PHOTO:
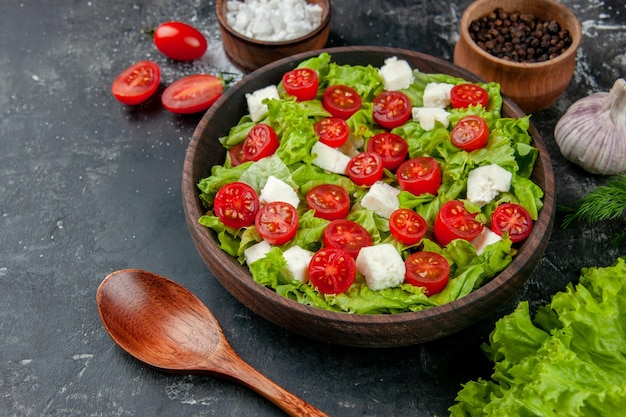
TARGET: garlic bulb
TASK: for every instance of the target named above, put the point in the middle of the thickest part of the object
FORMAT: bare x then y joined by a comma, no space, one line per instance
592,132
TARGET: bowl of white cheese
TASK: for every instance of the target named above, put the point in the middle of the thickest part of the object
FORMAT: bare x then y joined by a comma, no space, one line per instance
257,32
381,308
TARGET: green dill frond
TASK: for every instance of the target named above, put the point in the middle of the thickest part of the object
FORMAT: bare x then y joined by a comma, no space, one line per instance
606,202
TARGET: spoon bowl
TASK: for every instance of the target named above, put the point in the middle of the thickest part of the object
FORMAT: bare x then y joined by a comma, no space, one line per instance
164,325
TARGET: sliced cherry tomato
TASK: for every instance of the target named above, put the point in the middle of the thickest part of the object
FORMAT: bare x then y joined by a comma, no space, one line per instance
391,109
236,155
332,270
261,141
236,205
455,222
470,133
419,175
365,168
347,235
464,95
179,41
137,83
332,131
192,94
513,219
429,270
277,222
302,83
330,201
407,226
341,101
391,148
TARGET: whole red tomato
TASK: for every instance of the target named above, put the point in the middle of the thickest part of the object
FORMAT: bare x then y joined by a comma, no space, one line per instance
179,41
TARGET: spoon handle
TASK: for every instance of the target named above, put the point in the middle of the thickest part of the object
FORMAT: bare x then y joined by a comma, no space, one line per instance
237,369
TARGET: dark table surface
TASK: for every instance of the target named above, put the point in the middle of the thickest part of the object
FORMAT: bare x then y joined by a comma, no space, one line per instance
89,186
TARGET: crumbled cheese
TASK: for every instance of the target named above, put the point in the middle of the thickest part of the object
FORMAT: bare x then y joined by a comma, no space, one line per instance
256,107
485,182
382,198
298,260
278,190
329,158
257,251
381,265
437,95
273,20
396,74
427,116
484,239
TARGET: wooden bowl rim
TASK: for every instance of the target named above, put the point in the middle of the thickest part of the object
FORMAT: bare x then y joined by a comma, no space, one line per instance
340,320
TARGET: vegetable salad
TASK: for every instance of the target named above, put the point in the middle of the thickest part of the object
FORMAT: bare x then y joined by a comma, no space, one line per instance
293,162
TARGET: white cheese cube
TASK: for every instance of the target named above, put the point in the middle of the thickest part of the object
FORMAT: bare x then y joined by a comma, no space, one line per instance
437,95
396,74
381,265
329,158
484,239
427,116
298,260
257,251
278,190
382,198
484,183
256,107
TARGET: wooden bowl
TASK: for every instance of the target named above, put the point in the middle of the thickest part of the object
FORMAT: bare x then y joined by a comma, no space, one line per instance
350,329
248,54
533,86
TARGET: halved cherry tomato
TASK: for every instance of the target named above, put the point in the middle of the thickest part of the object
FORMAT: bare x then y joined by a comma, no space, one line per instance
332,131
391,109
429,270
332,270
464,95
513,219
365,168
277,222
179,41
470,133
341,101
454,221
236,155
136,83
419,175
302,83
192,94
236,205
330,201
391,148
347,235
261,141
407,226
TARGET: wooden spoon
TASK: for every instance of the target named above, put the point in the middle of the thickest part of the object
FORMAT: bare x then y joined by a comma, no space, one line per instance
165,326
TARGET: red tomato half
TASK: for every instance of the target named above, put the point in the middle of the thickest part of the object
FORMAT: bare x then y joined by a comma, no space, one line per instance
330,201
192,94
236,205
302,83
407,226
464,95
341,101
179,41
365,168
455,222
332,270
347,235
470,133
277,222
391,148
513,219
419,175
391,109
137,83
429,270
332,131
236,155
261,141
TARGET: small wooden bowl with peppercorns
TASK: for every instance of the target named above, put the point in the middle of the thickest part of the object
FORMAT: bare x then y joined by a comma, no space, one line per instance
528,47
